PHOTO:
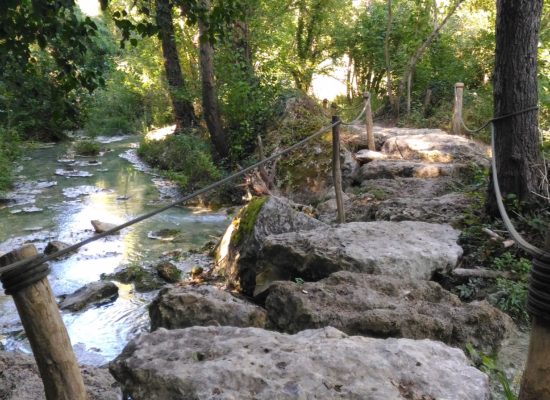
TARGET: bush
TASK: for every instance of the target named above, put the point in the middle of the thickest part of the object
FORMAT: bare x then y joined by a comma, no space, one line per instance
186,159
9,150
87,148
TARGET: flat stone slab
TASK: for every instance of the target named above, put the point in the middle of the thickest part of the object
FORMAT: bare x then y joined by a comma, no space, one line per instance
389,169
437,147
405,249
384,306
251,363
183,307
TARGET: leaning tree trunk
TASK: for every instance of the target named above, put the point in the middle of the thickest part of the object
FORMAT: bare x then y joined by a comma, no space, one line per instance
210,105
518,156
417,56
183,109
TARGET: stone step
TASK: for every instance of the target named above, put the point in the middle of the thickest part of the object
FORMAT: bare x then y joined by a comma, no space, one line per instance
384,306
252,363
404,249
437,147
391,169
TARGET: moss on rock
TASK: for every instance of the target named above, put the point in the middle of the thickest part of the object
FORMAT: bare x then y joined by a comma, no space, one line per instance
246,219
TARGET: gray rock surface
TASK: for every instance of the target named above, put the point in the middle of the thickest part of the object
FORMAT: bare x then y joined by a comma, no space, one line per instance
437,147
448,208
236,255
384,306
405,249
407,169
20,380
365,155
91,294
250,363
349,166
183,307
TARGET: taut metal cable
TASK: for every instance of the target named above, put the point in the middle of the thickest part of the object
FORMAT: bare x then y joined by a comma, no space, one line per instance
36,261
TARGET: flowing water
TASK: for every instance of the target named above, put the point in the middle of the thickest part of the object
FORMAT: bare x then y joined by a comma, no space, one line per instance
114,187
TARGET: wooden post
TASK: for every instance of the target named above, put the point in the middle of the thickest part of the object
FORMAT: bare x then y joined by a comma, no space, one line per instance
336,169
369,126
535,384
263,171
457,109
325,104
47,334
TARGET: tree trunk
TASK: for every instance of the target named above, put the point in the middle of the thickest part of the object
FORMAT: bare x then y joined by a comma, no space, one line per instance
210,105
411,65
389,91
518,156
183,109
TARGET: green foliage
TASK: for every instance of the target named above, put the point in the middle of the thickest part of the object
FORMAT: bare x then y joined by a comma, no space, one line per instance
185,158
487,364
514,291
9,150
87,148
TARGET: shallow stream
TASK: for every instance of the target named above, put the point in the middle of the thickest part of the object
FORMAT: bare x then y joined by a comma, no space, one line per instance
48,204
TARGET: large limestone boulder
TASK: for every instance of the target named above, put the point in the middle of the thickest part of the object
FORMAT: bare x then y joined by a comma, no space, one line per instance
437,147
183,307
391,169
20,380
250,363
405,249
91,294
384,306
236,255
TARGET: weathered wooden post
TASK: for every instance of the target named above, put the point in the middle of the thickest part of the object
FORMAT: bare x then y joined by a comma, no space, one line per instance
369,126
43,326
535,384
457,109
336,169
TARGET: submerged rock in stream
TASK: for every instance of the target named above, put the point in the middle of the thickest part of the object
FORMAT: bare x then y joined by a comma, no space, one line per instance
94,293
143,279
73,173
251,363
101,227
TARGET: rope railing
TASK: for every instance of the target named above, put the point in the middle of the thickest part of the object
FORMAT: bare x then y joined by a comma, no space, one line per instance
516,236
41,259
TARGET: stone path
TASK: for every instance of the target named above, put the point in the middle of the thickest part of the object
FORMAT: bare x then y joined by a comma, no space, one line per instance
318,283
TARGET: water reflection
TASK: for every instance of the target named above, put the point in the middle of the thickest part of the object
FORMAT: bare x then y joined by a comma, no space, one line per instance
100,333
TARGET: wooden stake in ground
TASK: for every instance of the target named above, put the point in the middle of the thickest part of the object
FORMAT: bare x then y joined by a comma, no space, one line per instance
46,332
457,109
369,126
336,169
